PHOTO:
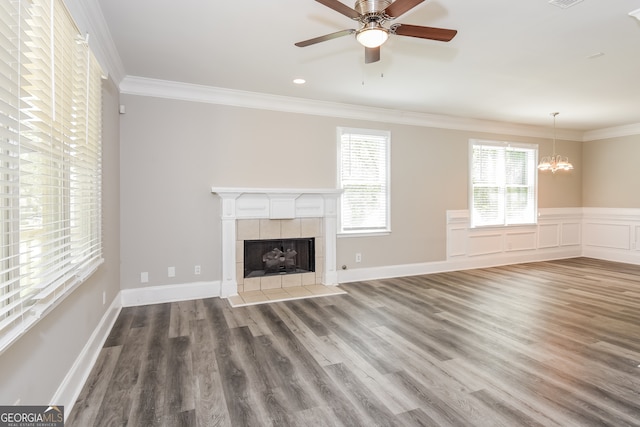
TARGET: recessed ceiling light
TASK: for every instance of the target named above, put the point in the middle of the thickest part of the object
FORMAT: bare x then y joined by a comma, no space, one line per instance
299,81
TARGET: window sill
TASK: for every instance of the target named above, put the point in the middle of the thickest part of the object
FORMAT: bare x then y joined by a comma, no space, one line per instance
32,317
501,227
364,234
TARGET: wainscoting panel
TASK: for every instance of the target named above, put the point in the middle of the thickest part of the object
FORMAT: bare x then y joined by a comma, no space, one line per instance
612,234
457,242
485,244
615,236
571,233
521,241
604,233
557,235
548,235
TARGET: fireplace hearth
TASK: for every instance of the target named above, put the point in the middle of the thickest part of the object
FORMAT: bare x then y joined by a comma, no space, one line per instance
267,257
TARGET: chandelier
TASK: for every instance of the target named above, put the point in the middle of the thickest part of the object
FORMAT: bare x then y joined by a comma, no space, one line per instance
554,162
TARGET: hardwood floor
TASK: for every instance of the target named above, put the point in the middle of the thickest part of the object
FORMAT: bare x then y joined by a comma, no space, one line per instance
540,344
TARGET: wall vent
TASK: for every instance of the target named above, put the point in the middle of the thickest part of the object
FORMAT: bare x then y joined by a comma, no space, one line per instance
565,4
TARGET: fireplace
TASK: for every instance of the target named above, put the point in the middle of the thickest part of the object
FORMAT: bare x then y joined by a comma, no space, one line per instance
274,214
266,257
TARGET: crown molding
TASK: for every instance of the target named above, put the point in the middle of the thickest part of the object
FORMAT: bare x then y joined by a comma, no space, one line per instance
88,16
143,86
613,132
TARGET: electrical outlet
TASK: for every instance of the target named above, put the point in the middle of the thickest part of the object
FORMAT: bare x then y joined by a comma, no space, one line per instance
144,277
171,272
358,257
196,270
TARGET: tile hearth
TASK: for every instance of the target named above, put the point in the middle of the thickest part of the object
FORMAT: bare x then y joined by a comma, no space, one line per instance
283,294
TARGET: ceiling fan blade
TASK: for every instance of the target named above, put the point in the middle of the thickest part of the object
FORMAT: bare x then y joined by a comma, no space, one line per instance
431,33
371,54
399,7
325,38
341,8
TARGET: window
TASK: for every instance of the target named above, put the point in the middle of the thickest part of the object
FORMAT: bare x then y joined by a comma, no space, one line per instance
363,175
50,161
502,183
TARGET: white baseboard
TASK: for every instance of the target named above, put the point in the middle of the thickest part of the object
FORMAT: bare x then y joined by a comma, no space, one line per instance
169,293
390,271
386,272
614,255
71,386
608,234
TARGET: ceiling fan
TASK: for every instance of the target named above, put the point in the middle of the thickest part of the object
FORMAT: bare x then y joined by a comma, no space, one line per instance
372,14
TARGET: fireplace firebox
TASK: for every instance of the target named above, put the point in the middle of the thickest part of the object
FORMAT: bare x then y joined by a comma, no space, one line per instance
279,256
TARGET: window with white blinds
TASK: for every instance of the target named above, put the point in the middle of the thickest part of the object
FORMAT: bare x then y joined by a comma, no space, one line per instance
503,180
50,161
363,175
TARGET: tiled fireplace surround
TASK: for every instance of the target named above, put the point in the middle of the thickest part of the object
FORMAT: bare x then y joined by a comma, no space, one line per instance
255,229
260,213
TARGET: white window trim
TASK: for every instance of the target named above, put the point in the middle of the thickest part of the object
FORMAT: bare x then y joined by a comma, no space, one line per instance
364,233
473,142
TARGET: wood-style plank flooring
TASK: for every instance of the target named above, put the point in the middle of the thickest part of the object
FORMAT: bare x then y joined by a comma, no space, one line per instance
540,344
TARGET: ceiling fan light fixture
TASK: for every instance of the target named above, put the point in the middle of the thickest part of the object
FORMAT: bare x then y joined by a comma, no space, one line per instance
372,35
371,16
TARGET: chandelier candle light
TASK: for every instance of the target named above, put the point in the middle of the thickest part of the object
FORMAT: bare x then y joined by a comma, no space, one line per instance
556,161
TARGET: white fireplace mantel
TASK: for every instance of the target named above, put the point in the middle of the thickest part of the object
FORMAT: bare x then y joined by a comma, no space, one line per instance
275,203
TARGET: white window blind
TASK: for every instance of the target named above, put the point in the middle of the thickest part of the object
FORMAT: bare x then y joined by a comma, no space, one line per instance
363,162
50,142
503,183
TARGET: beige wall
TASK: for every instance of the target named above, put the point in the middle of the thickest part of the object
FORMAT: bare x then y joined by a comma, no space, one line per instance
33,368
173,152
562,189
612,173
159,211
162,157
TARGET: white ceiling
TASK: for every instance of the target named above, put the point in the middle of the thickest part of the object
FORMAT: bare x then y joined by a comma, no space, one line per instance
511,61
